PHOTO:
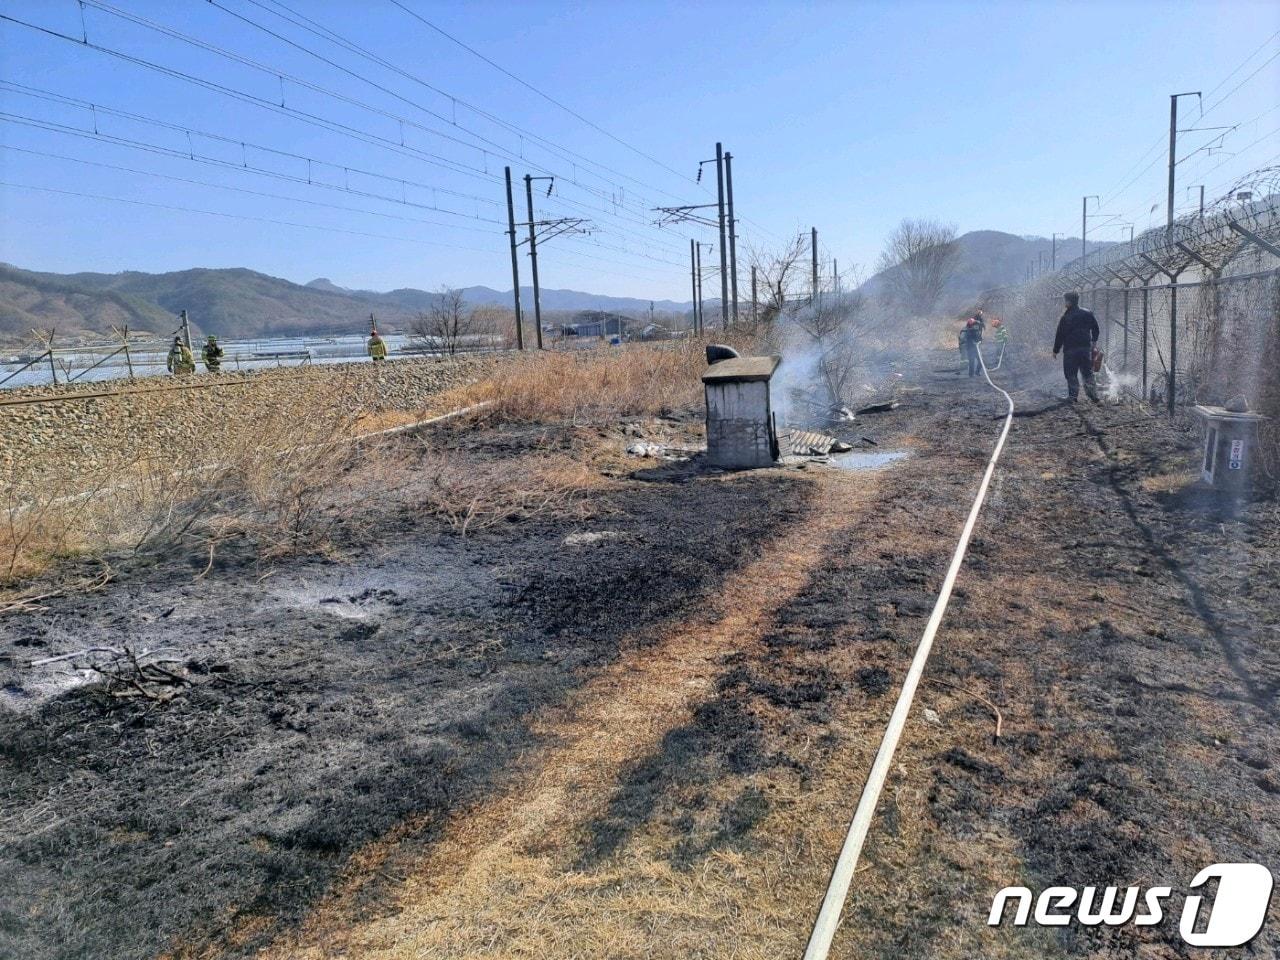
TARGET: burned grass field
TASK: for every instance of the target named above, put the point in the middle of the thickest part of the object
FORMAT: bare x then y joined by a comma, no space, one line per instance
631,717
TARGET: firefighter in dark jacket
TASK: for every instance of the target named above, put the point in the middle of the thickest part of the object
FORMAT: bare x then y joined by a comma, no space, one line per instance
1077,334
970,337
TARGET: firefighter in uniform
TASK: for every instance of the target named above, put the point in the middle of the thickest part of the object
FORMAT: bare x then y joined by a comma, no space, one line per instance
377,347
1001,337
180,362
212,354
970,337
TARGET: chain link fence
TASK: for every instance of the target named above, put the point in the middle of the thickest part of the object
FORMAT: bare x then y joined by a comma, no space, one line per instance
1190,313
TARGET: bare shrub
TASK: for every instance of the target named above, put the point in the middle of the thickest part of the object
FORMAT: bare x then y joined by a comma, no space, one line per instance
829,343
471,494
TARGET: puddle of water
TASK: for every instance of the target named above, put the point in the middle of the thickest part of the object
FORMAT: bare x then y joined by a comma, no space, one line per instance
861,460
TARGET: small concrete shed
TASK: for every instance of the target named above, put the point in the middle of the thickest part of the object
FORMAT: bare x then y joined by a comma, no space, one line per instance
740,430
1230,438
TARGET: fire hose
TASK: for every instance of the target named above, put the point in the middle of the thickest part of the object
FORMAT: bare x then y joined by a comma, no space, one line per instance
828,920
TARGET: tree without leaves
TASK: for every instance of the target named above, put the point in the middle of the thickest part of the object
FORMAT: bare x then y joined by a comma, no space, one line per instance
780,276
445,322
919,258
837,328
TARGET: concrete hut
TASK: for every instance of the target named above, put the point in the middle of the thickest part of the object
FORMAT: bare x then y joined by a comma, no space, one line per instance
741,432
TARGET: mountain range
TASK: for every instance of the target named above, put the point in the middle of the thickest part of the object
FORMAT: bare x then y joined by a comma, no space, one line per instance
240,303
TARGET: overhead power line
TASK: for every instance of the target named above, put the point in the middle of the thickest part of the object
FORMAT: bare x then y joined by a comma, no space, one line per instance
304,116
245,167
281,108
317,29
545,96
236,216
494,148
255,193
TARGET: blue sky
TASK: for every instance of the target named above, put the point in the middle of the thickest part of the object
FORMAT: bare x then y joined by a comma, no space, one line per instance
844,116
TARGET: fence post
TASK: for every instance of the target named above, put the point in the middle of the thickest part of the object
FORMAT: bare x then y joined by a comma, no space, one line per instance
1125,363
128,360
1146,303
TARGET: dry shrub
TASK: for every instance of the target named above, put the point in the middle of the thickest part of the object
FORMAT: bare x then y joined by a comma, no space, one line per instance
279,479
472,494
288,495
584,386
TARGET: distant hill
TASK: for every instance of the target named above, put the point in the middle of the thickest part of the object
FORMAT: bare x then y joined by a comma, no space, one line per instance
241,303
238,303
989,259
232,303
49,300
552,299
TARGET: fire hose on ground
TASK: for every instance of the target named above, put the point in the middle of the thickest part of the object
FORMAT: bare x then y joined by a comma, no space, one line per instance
828,921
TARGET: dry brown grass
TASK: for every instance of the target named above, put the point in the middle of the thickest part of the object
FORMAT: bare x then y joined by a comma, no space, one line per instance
472,494
584,386
274,479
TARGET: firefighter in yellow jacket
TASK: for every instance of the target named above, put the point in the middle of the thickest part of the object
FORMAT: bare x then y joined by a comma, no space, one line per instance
377,347
180,361
1001,338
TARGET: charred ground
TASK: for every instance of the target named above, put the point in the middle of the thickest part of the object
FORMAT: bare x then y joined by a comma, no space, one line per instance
1123,623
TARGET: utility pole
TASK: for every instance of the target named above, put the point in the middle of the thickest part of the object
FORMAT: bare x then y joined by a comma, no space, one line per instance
515,263
702,316
813,251
1173,148
1084,225
733,235
693,282
835,275
1054,264
533,257
754,317
186,330
724,264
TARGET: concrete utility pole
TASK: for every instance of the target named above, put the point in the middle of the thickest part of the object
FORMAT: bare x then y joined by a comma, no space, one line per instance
1054,264
813,250
1084,225
702,312
753,296
1173,148
186,330
733,235
533,257
835,275
515,263
724,264
693,281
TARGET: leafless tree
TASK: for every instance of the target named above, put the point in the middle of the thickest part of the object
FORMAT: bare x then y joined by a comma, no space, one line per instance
919,258
445,322
835,329
780,277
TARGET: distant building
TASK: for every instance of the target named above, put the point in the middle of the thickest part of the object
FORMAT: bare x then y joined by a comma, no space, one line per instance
596,323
